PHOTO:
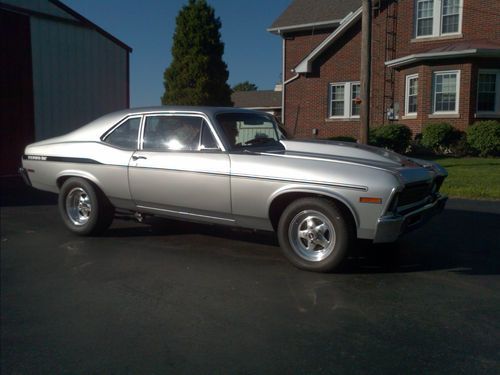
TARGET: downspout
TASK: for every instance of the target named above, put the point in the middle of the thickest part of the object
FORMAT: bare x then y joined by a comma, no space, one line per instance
283,88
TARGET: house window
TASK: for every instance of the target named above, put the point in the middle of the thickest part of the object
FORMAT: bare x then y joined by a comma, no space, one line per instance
342,100
438,17
355,92
450,16
411,95
488,97
446,92
425,13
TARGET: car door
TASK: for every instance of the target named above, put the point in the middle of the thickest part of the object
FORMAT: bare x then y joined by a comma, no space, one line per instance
180,169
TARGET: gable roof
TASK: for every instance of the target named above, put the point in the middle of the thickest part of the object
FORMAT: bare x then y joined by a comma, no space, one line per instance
257,99
58,11
307,14
306,64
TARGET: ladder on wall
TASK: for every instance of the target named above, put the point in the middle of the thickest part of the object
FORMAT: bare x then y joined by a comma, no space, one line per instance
391,25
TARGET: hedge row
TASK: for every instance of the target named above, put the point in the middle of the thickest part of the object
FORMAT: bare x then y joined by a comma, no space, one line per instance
481,138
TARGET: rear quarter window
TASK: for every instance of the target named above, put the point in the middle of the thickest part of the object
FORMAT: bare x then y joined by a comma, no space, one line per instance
125,135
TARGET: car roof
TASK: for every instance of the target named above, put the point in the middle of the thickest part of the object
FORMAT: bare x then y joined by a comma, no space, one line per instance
210,111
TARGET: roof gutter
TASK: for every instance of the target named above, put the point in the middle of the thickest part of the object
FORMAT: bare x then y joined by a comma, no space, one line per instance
304,26
410,59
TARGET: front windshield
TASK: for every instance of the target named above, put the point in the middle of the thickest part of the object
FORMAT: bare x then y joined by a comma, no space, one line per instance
244,130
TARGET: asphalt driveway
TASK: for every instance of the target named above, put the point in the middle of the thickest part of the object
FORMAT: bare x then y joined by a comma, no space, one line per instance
183,298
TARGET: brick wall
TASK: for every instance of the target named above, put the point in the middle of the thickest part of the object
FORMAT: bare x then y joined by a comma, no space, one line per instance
306,99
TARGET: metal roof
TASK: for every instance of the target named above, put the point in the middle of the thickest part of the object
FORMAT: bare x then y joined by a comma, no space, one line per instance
477,48
308,14
62,13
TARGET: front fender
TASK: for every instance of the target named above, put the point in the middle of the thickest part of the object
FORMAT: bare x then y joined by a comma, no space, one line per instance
328,192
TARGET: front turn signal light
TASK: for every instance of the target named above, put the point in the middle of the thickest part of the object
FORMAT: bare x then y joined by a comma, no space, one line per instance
372,200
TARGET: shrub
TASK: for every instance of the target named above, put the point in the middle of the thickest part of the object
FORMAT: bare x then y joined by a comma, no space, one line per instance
395,137
439,137
343,139
460,147
484,136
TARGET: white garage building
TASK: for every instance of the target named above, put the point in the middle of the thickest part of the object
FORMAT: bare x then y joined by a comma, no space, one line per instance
58,71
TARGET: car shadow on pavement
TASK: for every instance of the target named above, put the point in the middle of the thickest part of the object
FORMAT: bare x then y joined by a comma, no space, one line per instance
14,192
462,241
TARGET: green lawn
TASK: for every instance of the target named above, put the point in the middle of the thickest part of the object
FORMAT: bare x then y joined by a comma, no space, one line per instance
476,178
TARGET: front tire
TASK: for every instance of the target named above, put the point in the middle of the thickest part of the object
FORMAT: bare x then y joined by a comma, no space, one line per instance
85,210
314,234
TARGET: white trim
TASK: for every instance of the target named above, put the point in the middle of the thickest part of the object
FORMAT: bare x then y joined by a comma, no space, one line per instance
305,65
496,111
479,52
407,95
304,26
437,20
347,100
457,92
283,86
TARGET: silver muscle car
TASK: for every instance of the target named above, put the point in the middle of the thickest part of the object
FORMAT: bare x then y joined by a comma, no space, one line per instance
234,167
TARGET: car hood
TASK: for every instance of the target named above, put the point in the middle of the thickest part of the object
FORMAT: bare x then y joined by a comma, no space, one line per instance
408,168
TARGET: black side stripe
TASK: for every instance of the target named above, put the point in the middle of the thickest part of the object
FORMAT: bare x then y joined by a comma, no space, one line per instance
61,159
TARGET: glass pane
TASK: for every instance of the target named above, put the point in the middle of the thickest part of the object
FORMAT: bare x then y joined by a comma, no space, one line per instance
451,11
451,7
172,133
338,108
337,100
412,104
356,108
487,82
486,102
450,24
425,10
248,129
424,27
413,89
337,92
486,92
125,136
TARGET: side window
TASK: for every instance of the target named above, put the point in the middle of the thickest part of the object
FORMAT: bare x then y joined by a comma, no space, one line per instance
125,135
172,133
207,139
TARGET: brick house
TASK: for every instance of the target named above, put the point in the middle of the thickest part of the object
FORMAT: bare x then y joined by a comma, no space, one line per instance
432,60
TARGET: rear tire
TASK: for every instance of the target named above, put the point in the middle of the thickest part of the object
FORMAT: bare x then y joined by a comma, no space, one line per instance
85,210
314,234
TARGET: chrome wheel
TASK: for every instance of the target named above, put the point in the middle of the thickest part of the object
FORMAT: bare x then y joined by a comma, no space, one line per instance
78,206
312,235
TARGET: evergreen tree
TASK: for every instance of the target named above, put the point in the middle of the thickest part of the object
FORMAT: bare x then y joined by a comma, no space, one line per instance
245,86
197,74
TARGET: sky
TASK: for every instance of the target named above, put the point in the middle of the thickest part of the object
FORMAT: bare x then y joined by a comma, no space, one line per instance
251,53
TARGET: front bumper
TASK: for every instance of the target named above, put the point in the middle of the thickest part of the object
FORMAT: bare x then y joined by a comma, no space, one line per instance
24,174
389,228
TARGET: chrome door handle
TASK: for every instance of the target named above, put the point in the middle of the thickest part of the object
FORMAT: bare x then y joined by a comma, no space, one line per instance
136,157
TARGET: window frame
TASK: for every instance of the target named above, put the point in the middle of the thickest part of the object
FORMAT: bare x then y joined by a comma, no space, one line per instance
496,111
457,92
220,147
348,100
407,95
437,20
119,124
